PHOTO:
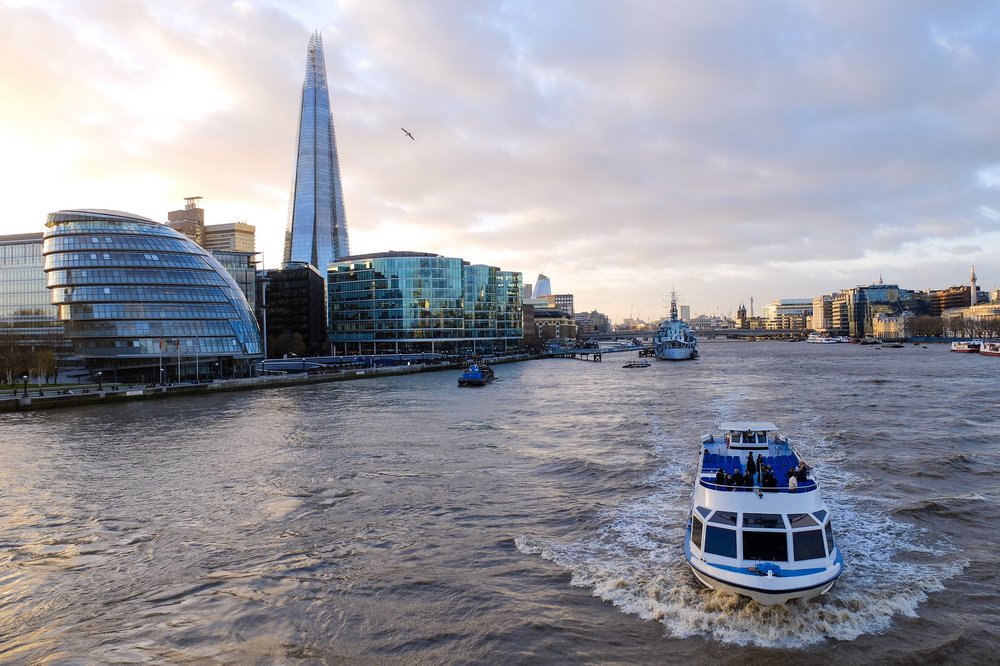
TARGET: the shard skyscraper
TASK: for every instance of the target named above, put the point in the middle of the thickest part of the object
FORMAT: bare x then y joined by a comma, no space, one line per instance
317,228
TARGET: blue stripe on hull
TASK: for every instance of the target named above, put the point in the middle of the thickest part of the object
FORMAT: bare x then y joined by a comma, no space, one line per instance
765,591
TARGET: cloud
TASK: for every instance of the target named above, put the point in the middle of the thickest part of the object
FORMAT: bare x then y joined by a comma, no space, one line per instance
778,149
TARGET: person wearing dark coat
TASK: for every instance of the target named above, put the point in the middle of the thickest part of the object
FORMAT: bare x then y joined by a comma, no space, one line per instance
751,467
737,477
720,477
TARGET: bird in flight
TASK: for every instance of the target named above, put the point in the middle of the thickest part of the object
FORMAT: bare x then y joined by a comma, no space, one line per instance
407,133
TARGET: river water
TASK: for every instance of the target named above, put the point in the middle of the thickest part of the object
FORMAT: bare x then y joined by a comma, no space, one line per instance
539,519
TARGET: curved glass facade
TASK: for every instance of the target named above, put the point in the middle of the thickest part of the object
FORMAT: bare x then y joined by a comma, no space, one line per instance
317,226
131,288
412,302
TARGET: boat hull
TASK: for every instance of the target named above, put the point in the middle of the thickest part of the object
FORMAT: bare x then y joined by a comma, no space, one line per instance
676,353
473,382
764,597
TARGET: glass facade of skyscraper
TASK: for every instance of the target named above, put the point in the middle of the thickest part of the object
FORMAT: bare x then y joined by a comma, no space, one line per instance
317,226
131,290
404,302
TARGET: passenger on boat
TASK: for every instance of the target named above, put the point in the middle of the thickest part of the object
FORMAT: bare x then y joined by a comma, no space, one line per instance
720,477
802,473
748,480
760,462
793,483
737,477
751,467
770,481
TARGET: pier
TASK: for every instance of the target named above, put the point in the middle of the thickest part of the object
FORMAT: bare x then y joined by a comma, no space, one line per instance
582,354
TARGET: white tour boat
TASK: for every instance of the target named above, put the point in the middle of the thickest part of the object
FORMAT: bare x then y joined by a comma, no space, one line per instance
817,339
990,349
766,540
966,346
674,341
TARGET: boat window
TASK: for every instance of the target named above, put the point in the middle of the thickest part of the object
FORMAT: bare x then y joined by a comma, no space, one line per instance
696,529
808,545
820,515
765,546
829,536
704,511
723,518
771,521
801,520
719,541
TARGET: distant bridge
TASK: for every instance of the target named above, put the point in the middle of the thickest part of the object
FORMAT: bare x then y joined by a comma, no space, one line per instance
740,333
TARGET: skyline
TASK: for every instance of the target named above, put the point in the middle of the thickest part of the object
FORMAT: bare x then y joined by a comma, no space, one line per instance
773,150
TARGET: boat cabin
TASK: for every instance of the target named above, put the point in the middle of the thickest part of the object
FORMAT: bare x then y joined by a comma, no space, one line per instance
748,435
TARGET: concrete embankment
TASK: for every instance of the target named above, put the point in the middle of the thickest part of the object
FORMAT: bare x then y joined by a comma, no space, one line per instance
53,400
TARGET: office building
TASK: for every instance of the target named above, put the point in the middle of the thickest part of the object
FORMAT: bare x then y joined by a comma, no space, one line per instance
29,323
543,287
140,299
242,266
822,313
232,237
189,220
317,226
564,302
295,302
406,302
788,313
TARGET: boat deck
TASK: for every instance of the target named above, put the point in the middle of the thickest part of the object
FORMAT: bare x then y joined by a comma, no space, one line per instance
730,454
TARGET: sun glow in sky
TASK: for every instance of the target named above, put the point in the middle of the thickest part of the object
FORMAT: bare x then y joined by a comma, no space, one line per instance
727,149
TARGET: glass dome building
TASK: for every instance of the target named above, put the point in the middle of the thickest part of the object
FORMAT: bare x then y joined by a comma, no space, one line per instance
140,298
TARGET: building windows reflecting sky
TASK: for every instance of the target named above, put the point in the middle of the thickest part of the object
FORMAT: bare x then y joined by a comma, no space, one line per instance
410,301
130,288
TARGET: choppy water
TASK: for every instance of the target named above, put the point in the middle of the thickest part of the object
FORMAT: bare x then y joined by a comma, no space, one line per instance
404,520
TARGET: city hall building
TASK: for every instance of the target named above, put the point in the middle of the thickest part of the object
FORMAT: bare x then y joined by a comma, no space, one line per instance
410,302
139,299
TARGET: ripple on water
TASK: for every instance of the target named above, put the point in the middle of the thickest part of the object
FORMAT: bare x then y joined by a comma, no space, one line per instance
633,558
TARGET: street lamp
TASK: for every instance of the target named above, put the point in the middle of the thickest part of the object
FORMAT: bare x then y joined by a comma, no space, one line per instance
161,375
217,370
100,385
25,378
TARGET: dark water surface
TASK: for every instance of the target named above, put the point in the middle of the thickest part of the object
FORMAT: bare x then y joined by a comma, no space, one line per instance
540,519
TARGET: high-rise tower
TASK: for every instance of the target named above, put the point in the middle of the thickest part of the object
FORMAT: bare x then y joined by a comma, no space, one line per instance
974,288
317,227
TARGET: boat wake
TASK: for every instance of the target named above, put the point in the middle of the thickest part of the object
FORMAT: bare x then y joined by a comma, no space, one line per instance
634,559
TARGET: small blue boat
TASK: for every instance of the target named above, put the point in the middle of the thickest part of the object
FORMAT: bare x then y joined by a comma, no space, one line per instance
476,375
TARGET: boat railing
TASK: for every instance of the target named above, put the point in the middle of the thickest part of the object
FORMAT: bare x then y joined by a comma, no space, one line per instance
806,486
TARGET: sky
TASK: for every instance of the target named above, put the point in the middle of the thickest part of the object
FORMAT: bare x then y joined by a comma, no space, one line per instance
725,150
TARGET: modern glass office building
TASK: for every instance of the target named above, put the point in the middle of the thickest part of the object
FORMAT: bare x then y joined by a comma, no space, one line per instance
406,302
136,296
29,322
317,226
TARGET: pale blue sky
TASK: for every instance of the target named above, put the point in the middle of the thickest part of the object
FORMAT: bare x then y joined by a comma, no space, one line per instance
728,149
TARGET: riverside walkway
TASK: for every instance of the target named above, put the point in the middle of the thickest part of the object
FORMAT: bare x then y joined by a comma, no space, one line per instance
53,399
